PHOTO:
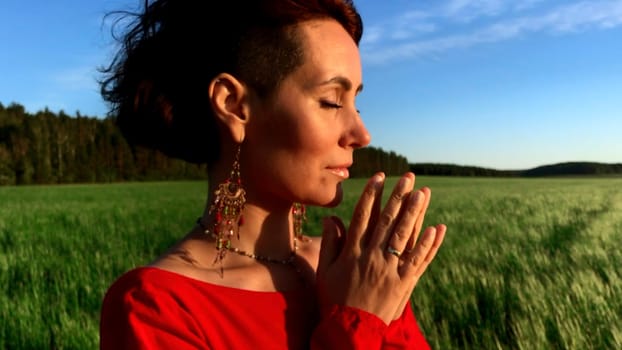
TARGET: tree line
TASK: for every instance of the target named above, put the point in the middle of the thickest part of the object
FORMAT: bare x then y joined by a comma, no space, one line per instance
438,169
55,148
559,169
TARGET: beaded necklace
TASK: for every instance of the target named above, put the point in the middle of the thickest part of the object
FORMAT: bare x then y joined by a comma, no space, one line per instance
288,261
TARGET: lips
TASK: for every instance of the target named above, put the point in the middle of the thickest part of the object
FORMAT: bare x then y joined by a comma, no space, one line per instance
340,171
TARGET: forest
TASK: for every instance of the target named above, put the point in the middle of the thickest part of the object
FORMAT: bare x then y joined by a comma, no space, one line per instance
56,148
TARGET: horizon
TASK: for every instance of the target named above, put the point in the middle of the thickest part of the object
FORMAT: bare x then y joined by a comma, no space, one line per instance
521,169
492,84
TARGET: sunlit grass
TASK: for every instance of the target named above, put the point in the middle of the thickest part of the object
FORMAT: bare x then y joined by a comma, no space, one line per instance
526,264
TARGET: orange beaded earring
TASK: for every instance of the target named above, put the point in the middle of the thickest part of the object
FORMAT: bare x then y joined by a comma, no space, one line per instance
229,200
300,216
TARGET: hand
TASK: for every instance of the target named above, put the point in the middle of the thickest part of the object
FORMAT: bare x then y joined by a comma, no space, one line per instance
357,270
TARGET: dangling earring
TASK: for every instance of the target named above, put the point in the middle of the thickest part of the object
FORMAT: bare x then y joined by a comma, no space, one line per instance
300,216
229,199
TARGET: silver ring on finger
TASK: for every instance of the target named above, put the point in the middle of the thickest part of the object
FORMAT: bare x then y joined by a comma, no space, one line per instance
393,251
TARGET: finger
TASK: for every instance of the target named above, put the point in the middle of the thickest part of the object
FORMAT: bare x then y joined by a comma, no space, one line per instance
423,253
389,214
418,272
414,259
364,211
330,247
420,218
341,230
438,240
403,229
375,213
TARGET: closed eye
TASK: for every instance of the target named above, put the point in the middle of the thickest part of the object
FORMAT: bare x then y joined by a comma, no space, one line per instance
330,104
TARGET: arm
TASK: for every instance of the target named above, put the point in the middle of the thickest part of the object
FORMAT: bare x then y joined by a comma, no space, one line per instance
343,327
404,333
138,317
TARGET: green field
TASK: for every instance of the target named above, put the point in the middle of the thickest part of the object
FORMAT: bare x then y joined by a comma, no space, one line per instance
526,264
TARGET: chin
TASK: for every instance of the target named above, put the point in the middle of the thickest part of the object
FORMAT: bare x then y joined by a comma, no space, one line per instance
335,200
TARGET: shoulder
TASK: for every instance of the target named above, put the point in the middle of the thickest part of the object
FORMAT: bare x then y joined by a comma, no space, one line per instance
148,307
144,286
148,294
137,279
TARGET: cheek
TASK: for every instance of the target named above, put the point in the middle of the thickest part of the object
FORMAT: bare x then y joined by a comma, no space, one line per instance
303,137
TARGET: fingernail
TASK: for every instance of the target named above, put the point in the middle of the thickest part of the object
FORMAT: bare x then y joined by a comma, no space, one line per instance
377,181
414,198
404,182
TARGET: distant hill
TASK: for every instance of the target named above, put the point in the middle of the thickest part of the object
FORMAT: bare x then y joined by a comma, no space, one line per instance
560,169
575,169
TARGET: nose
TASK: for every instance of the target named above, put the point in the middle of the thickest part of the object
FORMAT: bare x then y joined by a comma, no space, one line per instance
356,134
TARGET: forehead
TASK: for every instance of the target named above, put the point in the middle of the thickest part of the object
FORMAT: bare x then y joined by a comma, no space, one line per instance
329,51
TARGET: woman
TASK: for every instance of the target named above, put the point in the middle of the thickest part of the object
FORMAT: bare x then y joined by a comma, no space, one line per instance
266,96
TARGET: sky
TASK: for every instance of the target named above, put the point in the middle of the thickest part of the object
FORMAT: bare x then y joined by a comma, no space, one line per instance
492,83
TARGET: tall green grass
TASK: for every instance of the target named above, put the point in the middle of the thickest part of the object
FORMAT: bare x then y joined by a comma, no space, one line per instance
61,247
526,264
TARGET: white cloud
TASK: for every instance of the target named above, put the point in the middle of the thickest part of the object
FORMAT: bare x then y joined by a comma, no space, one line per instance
76,78
467,10
405,26
371,35
412,24
525,4
577,17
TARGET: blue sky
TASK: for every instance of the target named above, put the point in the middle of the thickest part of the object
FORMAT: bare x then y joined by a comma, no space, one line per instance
501,84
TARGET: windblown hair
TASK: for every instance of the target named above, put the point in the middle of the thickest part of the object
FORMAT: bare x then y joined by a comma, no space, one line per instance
157,84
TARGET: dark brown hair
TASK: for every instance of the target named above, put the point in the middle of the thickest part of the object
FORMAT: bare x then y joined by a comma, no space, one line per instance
158,81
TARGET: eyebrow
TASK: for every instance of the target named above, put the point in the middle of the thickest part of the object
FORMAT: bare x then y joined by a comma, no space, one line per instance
344,82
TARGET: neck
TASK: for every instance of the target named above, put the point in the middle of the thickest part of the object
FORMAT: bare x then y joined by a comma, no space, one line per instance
266,231
268,225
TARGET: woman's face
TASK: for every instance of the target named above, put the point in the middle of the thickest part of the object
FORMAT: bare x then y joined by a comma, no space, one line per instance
299,143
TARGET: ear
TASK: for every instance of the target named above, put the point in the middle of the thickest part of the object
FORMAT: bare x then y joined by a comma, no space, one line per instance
230,103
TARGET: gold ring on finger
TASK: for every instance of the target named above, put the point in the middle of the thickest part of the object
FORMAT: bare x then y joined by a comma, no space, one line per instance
394,251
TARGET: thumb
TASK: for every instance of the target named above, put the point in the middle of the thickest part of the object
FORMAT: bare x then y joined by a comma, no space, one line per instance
332,238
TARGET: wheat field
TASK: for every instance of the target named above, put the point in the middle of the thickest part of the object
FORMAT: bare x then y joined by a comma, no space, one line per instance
526,263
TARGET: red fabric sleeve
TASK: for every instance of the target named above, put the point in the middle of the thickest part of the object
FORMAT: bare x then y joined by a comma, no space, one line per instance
137,316
346,328
404,333
343,327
